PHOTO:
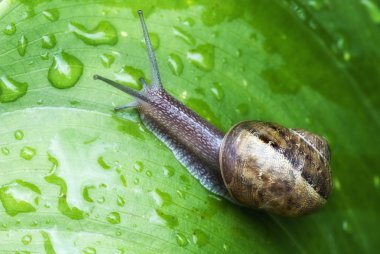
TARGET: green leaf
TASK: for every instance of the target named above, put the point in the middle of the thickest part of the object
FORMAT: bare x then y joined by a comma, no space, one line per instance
76,177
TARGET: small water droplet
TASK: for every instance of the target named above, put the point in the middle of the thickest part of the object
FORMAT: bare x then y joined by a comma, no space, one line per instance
373,10
217,91
10,29
226,248
65,70
181,239
103,34
48,41
155,40
139,166
168,171
200,238
336,184
136,181
175,64
103,163
346,56
27,152
19,135
346,226
376,181
181,194
86,193
45,56
238,53
5,151
129,76
19,197
183,35
161,218
188,22
148,173
89,250
242,109
161,198
22,44
26,239
101,200
107,59
51,14
123,180
120,201
113,218
202,57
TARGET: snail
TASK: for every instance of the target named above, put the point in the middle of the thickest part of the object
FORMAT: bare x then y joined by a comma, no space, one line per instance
256,164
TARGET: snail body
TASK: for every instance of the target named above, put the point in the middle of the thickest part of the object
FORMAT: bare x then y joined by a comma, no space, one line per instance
256,164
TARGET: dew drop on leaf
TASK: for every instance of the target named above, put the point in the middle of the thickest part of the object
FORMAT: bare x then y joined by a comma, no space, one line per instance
154,39
200,238
168,171
65,70
107,59
202,57
183,35
5,151
161,218
10,29
103,34
48,41
26,239
113,218
89,250
11,90
51,14
373,10
103,163
120,201
45,56
129,76
175,64
139,166
27,153
19,135
242,109
217,91
181,239
161,198
21,45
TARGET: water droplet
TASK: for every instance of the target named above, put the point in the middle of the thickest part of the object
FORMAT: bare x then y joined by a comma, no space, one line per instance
161,198
103,163
139,166
86,193
120,201
22,44
376,181
155,40
336,184
129,76
10,29
101,200
45,56
103,34
48,41
65,70
226,248
11,90
181,239
372,9
19,197
26,239
346,226
5,151
168,171
181,194
217,91
148,173
107,59
189,22
242,109
113,218
123,180
19,135
89,250
183,35
136,181
200,238
175,64
27,152
161,218
202,57
49,249
51,14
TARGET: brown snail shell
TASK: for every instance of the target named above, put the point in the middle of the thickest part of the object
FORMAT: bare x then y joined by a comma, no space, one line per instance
267,166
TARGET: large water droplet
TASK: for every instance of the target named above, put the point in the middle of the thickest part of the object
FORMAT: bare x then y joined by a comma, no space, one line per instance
27,152
161,198
175,64
181,239
51,14
22,44
103,34
65,70
26,239
19,135
154,39
161,218
129,76
10,29
107,59
200,238
19,197
183,35
49,41
11,90
202,57
372,9
217,91
113,218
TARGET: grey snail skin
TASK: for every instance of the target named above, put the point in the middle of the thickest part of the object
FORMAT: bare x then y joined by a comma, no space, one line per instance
256,164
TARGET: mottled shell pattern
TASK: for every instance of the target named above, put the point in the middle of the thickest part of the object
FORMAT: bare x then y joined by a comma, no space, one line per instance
283,171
